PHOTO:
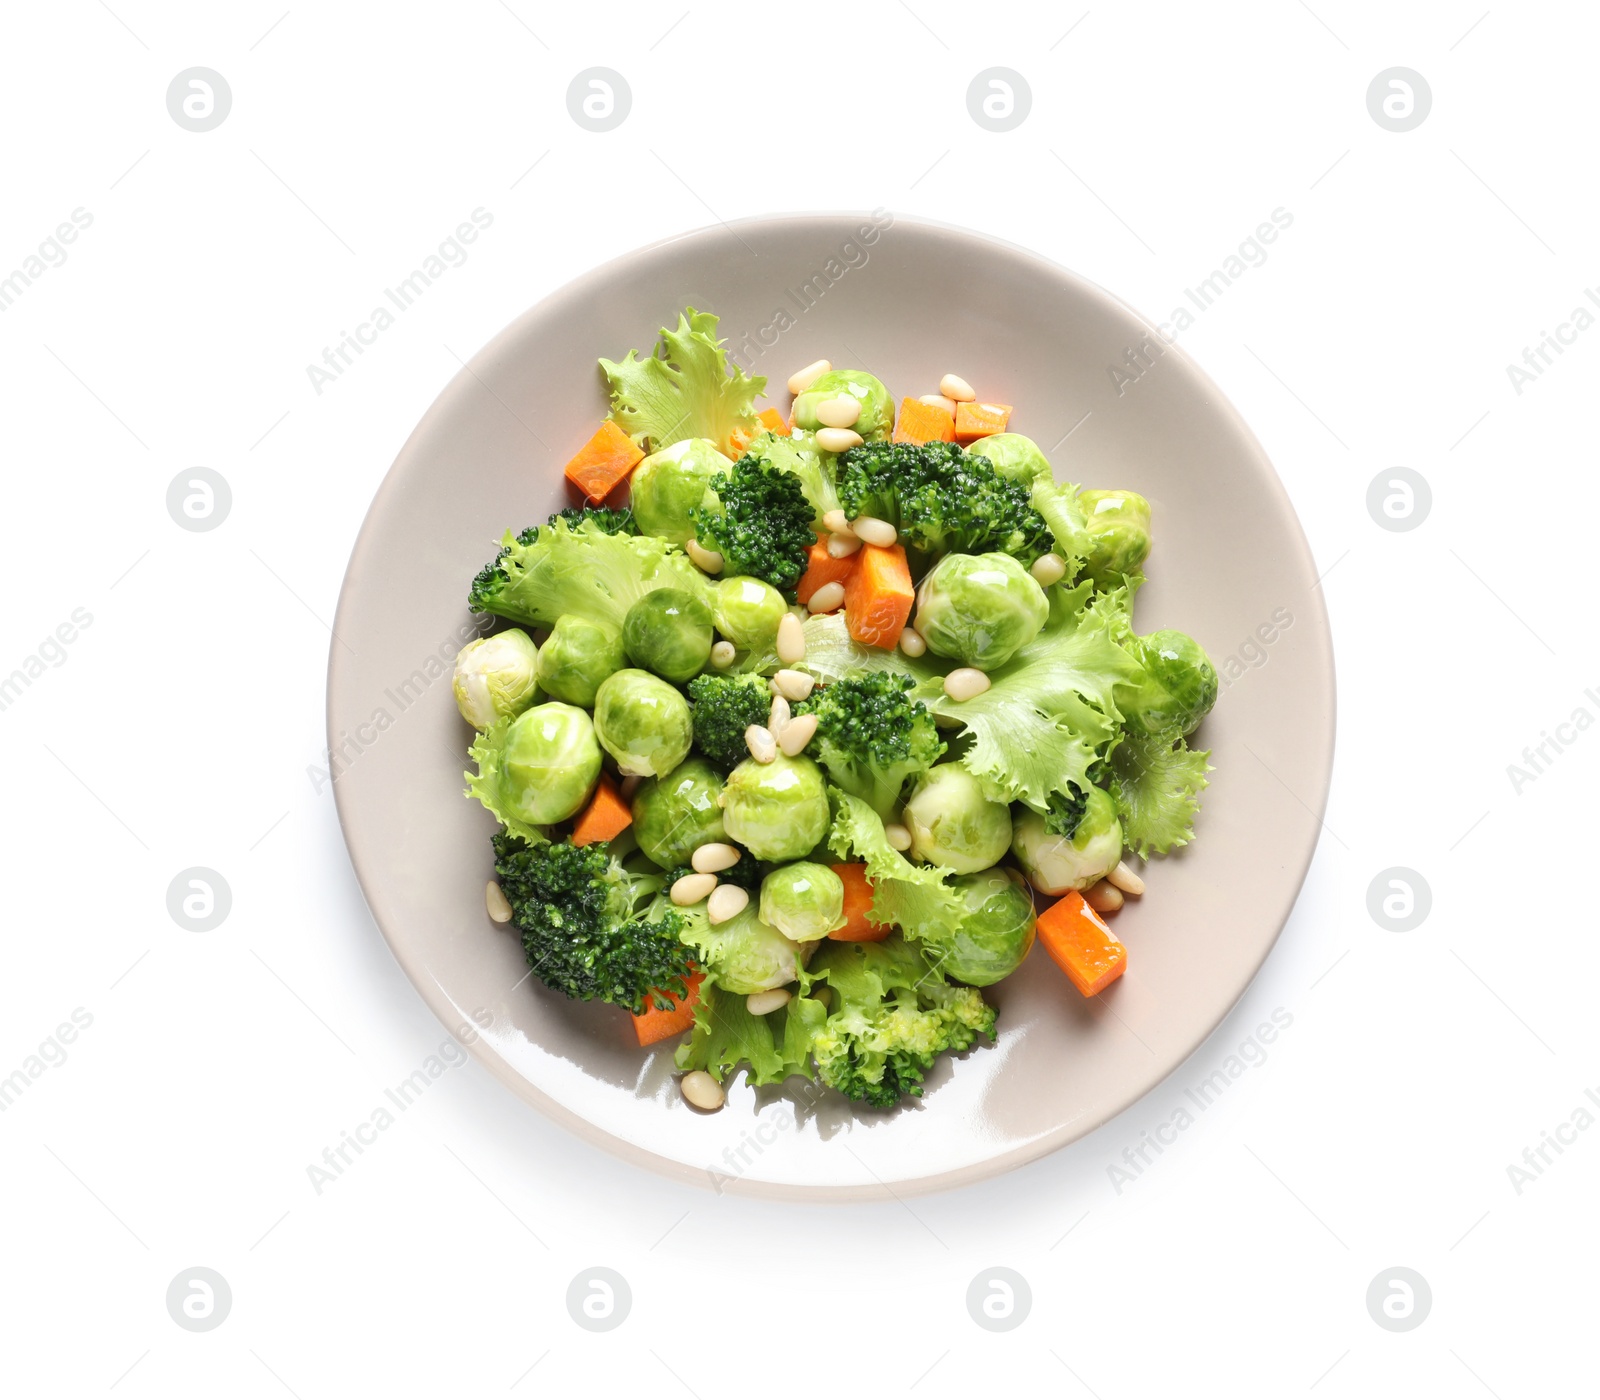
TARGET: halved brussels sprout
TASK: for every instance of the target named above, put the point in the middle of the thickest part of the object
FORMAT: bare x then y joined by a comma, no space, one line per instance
877,407
670,483
1015,457
747,611
1178,688
675,814
548,763
745,955
777,810
953,824
1055,864
995,933
496,677
643,723
668,631
803,901
577,657
979,609
1119,534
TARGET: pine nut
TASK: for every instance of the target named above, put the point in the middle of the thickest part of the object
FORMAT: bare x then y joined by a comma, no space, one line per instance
763,747
838,439
911,642
965,682
778,716
723,654
726,901
824,994
953,386
803,379
827,599
791,642
1048,569
691,889
843,546
870,530
794,685
714,856
939,401
1125,879
701,1090
499,907
837,521
897,836
841,412
797,734
762,1003
1103,898
707,560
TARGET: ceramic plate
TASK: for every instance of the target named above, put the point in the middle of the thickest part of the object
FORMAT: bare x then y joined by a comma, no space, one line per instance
909,301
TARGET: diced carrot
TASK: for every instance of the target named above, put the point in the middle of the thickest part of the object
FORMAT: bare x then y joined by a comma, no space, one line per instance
858,927
603,461
1083,947
773,421
979,420
878,595
654,1025
823,568
606,816
922,422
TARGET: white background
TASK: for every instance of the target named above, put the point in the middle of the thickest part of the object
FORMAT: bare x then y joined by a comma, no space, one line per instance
179,728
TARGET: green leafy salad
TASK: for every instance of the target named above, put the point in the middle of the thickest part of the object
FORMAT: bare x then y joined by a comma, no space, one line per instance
807,726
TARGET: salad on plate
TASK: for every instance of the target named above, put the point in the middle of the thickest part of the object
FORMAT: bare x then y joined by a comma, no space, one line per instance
806,727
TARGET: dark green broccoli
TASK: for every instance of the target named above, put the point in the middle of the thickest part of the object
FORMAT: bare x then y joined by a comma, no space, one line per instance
942,500
892,1016
764,527
613,522
872,736
723,707
577,909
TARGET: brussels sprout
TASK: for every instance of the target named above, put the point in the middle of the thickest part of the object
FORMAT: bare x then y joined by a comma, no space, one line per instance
1055,864
1119,533
953,824
675,814
979,609
747,611
1178,688
777,810
877,408
577,656
643,723
744,955
803,901
670,483
668,631
995,933
548,763
1015,457
496,677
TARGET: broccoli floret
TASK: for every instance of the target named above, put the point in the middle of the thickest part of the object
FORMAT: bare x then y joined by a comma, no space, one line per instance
492,577
941,499
764,526
613,522
577,909
872,736
893,1015
723,707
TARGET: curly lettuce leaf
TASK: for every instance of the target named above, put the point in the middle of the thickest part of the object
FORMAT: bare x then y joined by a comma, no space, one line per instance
488,752
914,898
586,571
1057,502
726,1035
1156,783
685,388
799,455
